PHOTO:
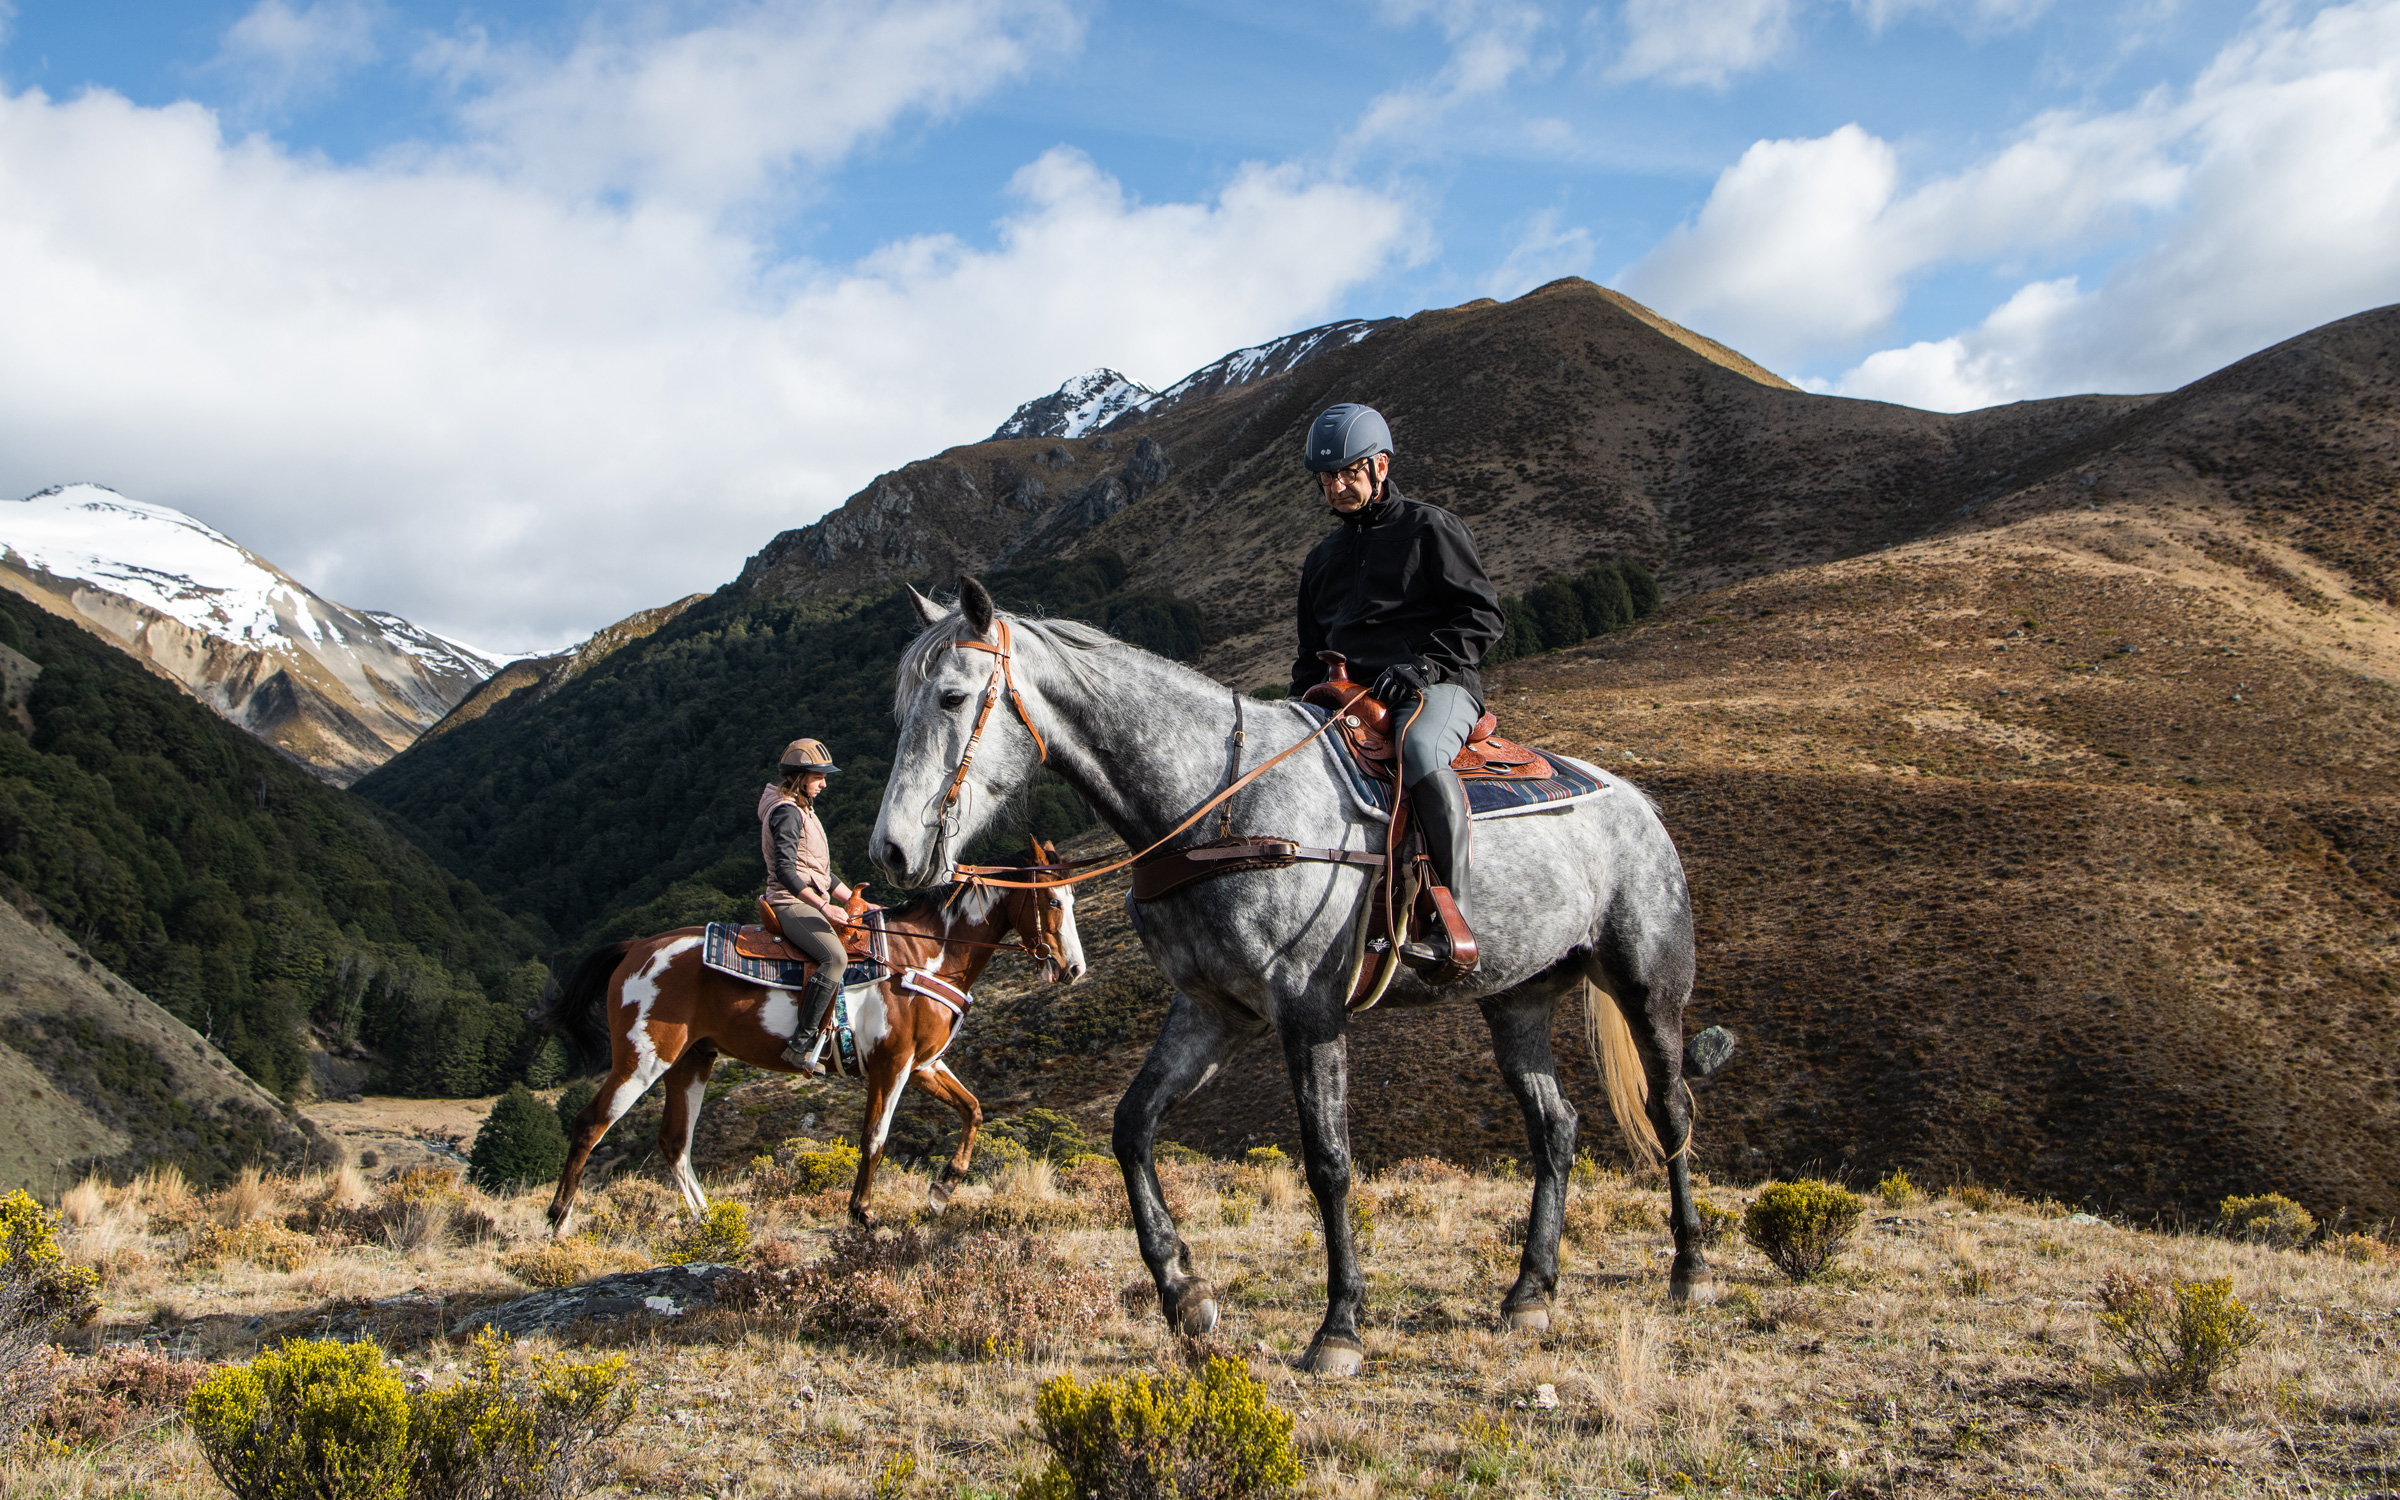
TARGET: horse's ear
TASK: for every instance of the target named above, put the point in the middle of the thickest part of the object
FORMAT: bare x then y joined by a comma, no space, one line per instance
1042,853
977,603
927,611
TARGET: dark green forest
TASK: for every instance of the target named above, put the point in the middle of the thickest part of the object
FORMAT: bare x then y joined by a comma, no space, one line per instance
240,892
626,803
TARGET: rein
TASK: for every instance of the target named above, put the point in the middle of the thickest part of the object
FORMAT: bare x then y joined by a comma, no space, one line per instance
1074,872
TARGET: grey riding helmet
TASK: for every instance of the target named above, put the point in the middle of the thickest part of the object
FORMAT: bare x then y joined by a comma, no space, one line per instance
1344,434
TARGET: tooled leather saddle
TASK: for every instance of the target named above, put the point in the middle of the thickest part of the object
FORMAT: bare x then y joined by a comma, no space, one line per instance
764,938
1366,728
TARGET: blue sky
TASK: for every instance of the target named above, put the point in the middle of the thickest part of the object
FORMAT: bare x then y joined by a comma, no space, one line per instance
517,318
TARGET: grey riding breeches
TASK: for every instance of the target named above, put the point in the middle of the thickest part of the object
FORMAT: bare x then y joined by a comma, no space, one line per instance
1439,732
809,932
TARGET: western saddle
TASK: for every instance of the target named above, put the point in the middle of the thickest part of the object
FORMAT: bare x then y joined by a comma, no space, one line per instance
765,939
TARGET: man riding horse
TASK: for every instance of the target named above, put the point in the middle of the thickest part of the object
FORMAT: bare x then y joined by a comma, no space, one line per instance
807,896
1398,590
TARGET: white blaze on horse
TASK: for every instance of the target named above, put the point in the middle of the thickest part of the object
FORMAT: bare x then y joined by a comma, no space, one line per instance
663,1014
1587,897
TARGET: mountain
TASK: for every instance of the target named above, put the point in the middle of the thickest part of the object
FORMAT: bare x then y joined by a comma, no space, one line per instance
1100,399
2037,769
338,688
257,905
531,679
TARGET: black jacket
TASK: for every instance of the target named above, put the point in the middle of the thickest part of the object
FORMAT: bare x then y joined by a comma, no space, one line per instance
1397,582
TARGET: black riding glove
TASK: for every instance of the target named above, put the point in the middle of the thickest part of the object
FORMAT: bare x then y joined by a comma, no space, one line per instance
1401,682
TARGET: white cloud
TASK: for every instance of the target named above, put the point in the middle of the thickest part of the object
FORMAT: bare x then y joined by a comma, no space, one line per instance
515,412
2273,189
713,114
284,56
1992,15
1492,43
1708,42
1542,254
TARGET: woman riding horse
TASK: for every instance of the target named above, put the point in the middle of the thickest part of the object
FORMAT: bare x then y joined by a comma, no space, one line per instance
804,893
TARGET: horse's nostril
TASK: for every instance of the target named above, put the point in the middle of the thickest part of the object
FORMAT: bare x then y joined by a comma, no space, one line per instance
893,858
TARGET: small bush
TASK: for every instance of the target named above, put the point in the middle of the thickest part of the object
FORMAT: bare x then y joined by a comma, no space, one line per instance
102,1398
261,1242
1234,1209
2180,1335
1715,1222
1592,1217
315,1418
1799,1225
30,1259
421,1185
570,1262
1176,1151
1264,1156
800,1167
518,1425
635,1210
319,1420
2358,1247
1050,1135
2268,1219
29,1367
570,1105
1976,1199
1897,1192
718,1237
520,1145
1423,1169
1215,1436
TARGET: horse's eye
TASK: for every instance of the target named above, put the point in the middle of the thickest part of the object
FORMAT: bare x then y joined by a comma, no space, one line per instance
953,699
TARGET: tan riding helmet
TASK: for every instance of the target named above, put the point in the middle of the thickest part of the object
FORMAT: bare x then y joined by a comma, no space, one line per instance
808,755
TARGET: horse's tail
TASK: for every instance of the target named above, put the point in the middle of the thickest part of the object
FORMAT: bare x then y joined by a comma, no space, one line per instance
571,1010
1610,1037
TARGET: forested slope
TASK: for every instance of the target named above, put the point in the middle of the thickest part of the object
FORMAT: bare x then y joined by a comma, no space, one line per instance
626,802
239,892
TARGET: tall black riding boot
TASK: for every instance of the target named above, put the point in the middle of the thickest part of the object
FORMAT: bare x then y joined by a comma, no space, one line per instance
816,1002
1439,804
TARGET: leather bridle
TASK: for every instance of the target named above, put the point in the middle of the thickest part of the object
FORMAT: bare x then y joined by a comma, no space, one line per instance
1075,871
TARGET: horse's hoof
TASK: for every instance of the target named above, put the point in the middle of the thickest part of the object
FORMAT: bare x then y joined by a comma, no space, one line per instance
937,1198
1334,1356
1696,1287
1194,1314
1531,1318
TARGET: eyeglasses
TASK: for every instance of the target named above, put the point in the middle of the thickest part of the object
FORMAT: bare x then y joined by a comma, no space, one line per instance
1363,469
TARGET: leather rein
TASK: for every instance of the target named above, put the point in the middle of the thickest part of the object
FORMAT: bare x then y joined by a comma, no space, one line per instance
1075,872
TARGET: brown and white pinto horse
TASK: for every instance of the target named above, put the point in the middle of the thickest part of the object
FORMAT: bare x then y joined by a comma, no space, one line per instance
667,1016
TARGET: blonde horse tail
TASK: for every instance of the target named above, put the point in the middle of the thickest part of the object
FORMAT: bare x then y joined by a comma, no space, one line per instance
1610,1037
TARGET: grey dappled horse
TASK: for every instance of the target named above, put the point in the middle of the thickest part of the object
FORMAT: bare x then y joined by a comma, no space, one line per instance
1593,893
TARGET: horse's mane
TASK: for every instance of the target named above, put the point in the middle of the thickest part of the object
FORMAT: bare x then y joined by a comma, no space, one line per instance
1071,640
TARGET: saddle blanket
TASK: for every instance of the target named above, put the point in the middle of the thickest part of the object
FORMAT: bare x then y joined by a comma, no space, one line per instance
1569,781
717,952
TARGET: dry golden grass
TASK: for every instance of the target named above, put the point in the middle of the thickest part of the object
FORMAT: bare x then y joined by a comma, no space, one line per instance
1954,1350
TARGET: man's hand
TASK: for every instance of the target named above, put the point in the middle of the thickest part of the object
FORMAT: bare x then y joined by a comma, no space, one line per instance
1402,681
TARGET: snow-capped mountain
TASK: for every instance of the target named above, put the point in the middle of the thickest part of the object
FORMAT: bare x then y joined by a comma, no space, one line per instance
342,689
1100,399
1084,404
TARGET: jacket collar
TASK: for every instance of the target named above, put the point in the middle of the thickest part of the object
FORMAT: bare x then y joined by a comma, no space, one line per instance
1376,512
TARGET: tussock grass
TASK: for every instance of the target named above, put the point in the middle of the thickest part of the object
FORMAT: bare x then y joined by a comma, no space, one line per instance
1949,1350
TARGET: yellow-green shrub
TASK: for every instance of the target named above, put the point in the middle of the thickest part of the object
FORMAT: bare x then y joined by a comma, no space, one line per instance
319,1420
1264,1156
2267,1219
2181,1334
1799,1225
635,1209
518,1425
30,1257
2360,1247
315,1418
1897,1191
719,1236
1212,1437
801,1166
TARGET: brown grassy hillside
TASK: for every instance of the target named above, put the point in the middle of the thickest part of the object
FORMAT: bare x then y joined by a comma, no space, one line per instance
2063,856
94,1076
